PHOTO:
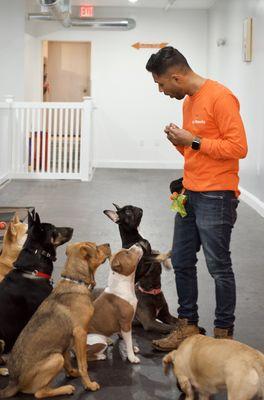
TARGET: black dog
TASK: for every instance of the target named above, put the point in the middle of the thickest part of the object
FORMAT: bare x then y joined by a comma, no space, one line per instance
151,301
29,283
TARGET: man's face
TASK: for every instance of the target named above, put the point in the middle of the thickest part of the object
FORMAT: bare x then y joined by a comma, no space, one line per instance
171,84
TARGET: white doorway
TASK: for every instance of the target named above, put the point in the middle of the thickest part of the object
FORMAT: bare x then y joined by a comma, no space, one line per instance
66,71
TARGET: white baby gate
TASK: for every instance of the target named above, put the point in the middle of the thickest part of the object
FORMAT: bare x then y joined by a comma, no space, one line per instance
48,140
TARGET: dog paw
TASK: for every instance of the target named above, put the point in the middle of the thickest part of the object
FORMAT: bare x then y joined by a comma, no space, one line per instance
93,386
134,359
136,349
4,372
69,389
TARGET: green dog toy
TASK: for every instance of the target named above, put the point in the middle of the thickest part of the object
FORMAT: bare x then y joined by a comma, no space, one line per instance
178,203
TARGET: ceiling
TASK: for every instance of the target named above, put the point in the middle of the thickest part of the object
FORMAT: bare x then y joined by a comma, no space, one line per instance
189,4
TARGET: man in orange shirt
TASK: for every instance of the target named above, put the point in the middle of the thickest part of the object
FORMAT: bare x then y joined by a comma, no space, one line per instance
212,140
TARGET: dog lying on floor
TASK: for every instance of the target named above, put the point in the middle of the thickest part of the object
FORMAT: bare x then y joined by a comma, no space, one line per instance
29,283
152,304
207,365
115,308
60,324
14,238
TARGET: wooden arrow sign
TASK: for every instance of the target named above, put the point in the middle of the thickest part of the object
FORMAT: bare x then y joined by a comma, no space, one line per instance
139,45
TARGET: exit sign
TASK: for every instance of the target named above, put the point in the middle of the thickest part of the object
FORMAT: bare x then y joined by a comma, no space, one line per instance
86,11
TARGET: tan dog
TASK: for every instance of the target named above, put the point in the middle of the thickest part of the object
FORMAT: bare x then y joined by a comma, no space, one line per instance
209,365
59,325
114,309
14,238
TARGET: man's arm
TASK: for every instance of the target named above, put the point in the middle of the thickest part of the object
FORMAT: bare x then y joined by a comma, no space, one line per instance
180,149
167,131
233,143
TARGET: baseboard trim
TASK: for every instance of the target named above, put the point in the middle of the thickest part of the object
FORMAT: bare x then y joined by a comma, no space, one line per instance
252,201
138,164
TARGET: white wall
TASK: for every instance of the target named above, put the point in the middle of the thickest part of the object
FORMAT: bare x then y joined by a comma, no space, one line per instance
12,28
131,113
33,68
245,79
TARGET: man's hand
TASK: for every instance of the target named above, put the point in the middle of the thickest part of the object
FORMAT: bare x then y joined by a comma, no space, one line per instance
178,136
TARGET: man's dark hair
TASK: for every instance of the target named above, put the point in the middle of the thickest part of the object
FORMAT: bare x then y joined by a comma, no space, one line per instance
165,58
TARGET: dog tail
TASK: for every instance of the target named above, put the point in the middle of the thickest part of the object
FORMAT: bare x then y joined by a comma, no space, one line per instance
163,258
10,390
167,262
167,362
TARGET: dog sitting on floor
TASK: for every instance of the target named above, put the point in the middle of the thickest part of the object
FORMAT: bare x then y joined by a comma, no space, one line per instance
59,325
152,304
115,308
14,239
206,365
29,283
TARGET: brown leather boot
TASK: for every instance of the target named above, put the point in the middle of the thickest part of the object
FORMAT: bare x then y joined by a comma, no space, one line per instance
221,333
173,341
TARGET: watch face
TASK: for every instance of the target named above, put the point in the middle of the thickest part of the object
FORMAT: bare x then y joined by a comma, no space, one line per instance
196,144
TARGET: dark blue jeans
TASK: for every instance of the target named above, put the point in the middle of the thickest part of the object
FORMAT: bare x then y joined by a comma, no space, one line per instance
211,217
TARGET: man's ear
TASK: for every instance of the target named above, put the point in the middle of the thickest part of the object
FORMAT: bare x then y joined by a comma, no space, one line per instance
177,77
112,215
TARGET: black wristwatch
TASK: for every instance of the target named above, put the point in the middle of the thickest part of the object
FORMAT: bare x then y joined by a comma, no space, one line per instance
196,144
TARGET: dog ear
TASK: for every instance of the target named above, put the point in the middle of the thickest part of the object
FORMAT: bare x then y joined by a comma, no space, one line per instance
87,250
31,221
11,230
68,249
115,265
112,215
116,206
15,219
37,219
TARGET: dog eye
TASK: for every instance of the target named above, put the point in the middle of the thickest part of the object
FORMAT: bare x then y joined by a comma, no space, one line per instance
129,212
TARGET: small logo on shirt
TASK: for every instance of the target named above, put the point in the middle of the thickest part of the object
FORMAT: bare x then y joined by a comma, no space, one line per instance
198,121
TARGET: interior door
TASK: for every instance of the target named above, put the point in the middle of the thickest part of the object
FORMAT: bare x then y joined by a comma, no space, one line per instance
67,71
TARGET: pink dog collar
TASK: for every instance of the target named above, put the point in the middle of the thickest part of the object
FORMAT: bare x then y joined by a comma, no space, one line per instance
154,292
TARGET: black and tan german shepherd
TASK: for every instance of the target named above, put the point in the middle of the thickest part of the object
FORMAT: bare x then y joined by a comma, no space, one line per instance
29,283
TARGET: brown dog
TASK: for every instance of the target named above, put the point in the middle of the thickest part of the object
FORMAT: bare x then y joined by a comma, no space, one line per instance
115,308
14,238
209,365
59,325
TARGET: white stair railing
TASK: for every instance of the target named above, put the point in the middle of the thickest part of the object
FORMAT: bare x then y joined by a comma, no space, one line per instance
51,140
5,142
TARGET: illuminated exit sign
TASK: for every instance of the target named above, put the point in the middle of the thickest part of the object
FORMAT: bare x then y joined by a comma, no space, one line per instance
86,11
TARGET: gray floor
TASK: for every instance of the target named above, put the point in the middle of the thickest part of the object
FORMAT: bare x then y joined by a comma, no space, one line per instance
80,206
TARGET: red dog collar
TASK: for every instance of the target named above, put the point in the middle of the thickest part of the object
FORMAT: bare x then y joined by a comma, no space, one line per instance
42,275
152,291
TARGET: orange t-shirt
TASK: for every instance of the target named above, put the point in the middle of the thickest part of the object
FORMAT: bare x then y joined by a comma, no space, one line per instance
212,113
